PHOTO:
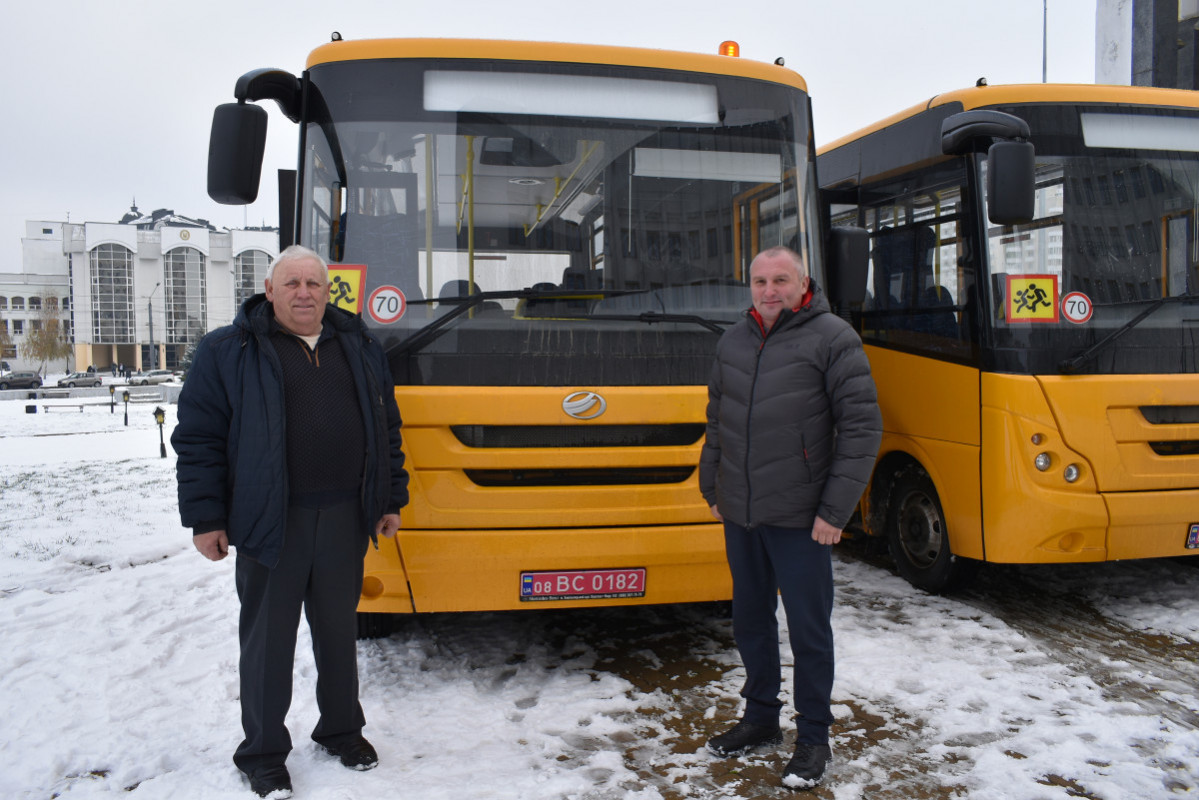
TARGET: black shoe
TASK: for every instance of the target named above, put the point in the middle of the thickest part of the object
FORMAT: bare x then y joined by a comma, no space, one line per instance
743,736
805,770
355,754
271,782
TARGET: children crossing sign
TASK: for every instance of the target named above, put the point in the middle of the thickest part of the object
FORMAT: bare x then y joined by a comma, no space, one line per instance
1032,298
345,286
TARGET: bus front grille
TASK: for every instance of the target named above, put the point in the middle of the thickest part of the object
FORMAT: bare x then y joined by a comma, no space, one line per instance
543,436
1171,415
636,476
1175,448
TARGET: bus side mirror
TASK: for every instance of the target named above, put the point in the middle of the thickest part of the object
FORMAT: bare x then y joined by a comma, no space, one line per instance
1011,183
848,263
235,149
1011,172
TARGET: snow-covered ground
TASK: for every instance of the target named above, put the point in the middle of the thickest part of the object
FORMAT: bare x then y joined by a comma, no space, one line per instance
118,670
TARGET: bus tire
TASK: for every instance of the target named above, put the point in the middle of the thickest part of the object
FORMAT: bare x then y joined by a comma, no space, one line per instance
917,536
375,626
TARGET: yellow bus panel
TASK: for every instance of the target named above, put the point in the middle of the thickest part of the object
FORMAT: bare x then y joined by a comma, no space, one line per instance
1103,415
933,419
462,545
478,570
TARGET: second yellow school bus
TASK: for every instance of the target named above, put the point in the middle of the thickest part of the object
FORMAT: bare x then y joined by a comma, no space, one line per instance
1038,378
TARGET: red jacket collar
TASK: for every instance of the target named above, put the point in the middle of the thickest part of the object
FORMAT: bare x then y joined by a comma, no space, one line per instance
803,303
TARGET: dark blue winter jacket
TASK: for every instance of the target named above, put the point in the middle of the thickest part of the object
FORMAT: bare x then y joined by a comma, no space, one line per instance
230,438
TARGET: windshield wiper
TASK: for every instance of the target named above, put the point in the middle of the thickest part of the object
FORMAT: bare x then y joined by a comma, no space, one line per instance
464,303
651,317
429,332
1071,365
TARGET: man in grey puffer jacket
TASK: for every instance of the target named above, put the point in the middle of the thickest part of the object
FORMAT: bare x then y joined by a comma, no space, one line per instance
793,431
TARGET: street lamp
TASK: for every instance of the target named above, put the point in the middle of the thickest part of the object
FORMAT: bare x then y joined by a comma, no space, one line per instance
160,417
125,394
150,316
112,399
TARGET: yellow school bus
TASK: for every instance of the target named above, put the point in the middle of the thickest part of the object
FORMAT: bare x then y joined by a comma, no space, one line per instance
1036,370
548,239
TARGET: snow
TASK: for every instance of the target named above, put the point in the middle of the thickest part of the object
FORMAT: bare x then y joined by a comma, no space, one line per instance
118,670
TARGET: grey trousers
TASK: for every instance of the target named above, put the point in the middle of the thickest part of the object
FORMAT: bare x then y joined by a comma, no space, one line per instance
320,570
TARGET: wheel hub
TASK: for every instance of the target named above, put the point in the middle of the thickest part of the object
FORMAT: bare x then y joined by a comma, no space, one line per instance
920,528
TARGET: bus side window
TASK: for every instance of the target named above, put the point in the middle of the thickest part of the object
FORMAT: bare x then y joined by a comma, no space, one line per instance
901,256
906,296
922,266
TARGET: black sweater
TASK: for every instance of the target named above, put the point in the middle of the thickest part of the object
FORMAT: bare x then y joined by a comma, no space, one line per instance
326,440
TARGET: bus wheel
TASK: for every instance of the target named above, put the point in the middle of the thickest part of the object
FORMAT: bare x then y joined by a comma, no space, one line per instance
917,537
375,626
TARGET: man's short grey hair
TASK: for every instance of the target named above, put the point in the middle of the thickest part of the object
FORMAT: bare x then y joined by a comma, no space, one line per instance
298,252
782,250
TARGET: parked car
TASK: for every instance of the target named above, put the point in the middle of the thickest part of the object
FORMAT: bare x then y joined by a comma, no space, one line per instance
21,380
80,379
153,376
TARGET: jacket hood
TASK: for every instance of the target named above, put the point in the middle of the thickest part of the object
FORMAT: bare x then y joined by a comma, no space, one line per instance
251,308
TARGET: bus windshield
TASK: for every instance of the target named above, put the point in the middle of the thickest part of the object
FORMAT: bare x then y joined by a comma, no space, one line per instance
1105,279
551,224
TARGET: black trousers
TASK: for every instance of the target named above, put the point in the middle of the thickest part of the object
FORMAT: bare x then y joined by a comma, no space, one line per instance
320,571
768,562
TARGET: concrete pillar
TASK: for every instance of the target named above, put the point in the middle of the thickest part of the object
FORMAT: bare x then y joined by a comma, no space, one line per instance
1147,43
1155,43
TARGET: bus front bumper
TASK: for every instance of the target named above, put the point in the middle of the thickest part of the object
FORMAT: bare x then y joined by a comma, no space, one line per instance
481,570
1151,524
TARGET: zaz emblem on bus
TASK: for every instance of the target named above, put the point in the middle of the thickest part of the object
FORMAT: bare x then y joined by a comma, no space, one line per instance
584,405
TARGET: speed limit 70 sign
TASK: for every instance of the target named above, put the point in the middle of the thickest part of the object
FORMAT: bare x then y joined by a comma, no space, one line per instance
1077,308
386,305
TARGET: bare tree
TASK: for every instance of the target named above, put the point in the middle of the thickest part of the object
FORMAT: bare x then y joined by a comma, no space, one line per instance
6,345
47,338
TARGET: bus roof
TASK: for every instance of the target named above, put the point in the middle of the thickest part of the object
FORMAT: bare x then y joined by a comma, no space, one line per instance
1023,94
553,51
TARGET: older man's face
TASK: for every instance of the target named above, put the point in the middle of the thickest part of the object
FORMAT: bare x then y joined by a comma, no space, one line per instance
299,291
775,284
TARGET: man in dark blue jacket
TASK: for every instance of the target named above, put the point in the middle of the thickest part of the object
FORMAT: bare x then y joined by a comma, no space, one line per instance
288,448
793,431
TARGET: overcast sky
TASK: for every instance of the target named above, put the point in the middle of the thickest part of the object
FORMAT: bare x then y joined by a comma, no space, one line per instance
111,101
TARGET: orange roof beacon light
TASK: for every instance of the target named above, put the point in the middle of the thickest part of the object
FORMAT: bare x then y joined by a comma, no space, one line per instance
730,49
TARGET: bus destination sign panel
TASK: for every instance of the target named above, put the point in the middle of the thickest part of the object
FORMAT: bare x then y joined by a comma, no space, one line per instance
582,584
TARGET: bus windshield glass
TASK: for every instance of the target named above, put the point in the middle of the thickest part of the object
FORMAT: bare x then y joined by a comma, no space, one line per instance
551,224
1105,279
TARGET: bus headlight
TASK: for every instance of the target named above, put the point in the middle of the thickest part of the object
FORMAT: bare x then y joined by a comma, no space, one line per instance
1042,461
1071,473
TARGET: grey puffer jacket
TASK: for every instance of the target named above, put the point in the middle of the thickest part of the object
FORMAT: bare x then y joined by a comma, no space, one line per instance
793,421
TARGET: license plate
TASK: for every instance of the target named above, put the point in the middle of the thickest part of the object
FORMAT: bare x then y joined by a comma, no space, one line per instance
1193,537
582,584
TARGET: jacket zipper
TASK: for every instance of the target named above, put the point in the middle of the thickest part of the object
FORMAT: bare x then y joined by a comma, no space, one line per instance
749,413
265,346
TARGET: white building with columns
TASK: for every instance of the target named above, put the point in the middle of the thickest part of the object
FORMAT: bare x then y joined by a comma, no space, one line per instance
137,292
